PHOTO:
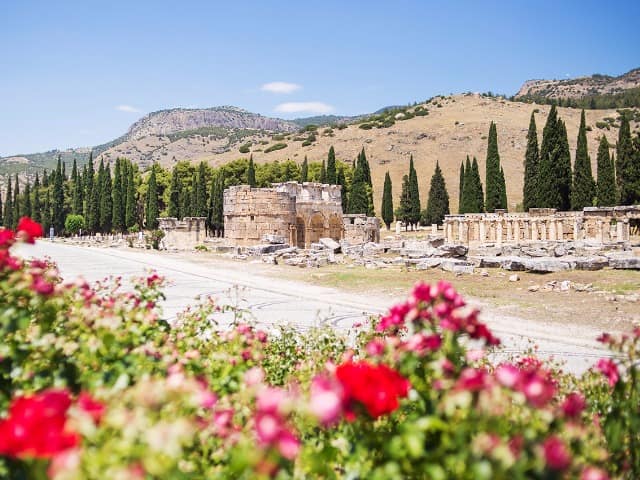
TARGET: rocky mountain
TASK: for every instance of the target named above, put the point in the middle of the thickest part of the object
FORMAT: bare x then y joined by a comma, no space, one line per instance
165,122
580,87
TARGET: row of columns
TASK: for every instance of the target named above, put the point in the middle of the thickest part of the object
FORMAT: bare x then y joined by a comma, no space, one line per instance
516,230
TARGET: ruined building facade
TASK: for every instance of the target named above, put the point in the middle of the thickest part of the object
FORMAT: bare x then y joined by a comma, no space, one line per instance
299,214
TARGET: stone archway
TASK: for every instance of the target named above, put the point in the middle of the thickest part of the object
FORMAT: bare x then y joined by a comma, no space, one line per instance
335,227
301,229
315,229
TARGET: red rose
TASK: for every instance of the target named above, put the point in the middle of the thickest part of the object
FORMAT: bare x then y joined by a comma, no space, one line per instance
36,426
556,454
7,237
609,369
91,406
29,230
376,387
573,405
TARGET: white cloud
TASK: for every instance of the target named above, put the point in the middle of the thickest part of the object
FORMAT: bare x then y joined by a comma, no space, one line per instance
304,107
127,108
280,87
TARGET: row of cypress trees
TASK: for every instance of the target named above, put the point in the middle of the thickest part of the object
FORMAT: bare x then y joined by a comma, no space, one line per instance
550,181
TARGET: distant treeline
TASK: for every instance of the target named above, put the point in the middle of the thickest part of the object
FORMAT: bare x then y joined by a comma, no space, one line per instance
627,99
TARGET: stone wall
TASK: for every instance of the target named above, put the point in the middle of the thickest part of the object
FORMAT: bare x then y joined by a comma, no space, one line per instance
182,234
252,213
597,224
358,228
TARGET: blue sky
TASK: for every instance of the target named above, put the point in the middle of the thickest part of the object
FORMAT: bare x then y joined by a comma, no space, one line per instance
78,73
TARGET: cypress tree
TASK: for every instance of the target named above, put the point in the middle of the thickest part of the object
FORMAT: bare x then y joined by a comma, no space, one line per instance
478,205
468,197
46,213
37,213
366,171
130,210
438,202
414,192
117,198
554,178
174,195
304,171
332,176
78,190
342,181
215,215
461,187
8,206
583,188
28,211
152,211
193,197
606,187
627,166
403,213
57,199
503,190
531,167
387,202
88,191
323,173
251,173
17,202
493,179
358,195
106,202
201,191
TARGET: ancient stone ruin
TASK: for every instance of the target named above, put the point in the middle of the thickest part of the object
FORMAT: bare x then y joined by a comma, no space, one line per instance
295,213
595,224
182,234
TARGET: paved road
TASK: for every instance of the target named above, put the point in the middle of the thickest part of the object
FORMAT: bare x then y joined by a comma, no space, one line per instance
274,301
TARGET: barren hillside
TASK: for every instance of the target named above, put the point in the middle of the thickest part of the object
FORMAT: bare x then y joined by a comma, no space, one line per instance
580,87
447,134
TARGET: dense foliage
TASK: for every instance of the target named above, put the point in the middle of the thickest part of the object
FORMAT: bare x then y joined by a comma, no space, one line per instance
94,384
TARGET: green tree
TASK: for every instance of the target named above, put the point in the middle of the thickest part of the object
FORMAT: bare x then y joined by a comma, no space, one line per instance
606,188
57,199
503,190
554,178
118,198
251,173
344,191
478,205
414,192
468,196
106,202
73,224
304,171
201,191
461,187
438,202
8,206
17,202
359,192
27,207
332,175
174,195
94,185
495,193
403,212
627,166
46,212
387,202
323,173
78,190
366,170
583,189
37,209
531,167
215,215
152,211
130,210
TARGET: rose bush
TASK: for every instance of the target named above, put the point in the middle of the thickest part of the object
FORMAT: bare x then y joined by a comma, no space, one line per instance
95,384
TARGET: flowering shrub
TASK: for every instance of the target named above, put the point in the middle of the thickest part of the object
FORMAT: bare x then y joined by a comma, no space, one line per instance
94,384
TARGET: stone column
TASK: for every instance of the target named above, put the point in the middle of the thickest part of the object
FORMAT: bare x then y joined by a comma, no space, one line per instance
576,231
516,231
460,232
509,231
625,230
399,228
434,229
619,231
560,231
499,233
543,230
534,231
449,232
552,230
483,233
599,232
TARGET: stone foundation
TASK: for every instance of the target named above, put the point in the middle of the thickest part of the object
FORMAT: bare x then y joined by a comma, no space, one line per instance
182,234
